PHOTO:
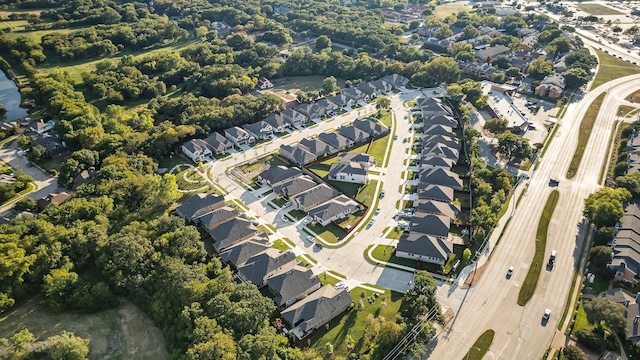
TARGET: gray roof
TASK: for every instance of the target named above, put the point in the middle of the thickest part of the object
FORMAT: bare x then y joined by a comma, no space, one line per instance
298,154
437,161
340,99
433,105
289,284
353,93
355,157
633,326
232,231
333,207
279,173
367,88
350,168
310,110
294,186
438,130
396,80
276,120
327,105
239,254
373,128
293,115
336,140
195,145
382,85
430,224
440,176
210,221
436,192
199,201
260,128
218,143
316,196
619,295
425,245
325,303
263,264
440,119
450,141
235,132
556,80
491,52
353,133
440,150
318,146
435,207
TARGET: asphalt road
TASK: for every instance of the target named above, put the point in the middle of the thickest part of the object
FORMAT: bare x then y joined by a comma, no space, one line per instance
492,303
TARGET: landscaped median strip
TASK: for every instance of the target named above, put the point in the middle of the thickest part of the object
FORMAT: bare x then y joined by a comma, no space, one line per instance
529,285
481,346
585,131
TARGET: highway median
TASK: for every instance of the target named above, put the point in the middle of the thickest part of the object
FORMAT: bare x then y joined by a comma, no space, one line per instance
585,132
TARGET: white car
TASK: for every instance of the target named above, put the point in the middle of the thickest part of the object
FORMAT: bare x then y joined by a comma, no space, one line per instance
547,314
286,205
310,238
284,218
306,220
340,285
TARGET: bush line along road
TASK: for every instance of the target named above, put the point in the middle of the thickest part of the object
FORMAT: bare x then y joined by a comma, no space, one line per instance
492,304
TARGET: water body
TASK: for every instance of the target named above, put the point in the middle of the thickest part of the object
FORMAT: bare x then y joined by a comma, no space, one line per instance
10,99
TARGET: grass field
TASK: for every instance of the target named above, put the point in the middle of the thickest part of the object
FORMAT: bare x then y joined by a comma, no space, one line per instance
367,192
625,110
585,132
597,9
294,84
121,333
481,346
352,323
634,97
442,11
582,323
530,282
612,68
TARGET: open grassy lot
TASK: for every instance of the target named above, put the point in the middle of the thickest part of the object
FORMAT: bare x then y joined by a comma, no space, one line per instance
481,346
302,83
121,333
585,132
330,233
366,195
612,68
634,97
442,11
531,280
272,159
352,323
625,110
597,9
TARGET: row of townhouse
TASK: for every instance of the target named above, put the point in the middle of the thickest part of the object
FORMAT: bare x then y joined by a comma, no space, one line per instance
309,150
289,120
427,235
297,292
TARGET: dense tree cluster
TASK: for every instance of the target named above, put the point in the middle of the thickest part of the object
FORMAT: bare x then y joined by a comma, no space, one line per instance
23,345
604,207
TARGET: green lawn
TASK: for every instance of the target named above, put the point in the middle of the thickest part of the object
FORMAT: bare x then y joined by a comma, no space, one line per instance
272,159
378,149
581,321
172,161
346,188
281,245
352,323
351,220
612,68
529,285
625,110
597,9
585,131
330,233
634,97
366,195
395,233
481,346
442,11
321,172
385,253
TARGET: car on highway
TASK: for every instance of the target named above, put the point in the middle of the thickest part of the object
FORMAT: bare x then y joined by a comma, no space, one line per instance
546,316
371,222
554,182
510,272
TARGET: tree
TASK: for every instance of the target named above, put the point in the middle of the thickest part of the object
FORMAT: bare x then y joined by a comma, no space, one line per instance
604,207
383,102
603,235
439,70
573,352
466,255
220,347
540,68
496,125
414,25
443,32
600,256
612,313
575,77
323,42
560,45
329,85
513,147
25,204
470,32
632,31
421,298
501,61
67,346
631,182
58,287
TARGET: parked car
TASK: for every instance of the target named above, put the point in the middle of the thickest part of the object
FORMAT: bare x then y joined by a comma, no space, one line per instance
286,205
306,220
377,211
382,194
310,238
370,222
284,218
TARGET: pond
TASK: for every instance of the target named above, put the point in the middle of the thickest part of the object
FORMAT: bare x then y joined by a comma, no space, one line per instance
10,99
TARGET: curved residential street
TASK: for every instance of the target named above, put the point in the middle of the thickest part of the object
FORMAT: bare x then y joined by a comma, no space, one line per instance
492,303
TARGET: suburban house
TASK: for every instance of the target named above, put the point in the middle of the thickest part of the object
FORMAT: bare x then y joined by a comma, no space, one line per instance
351,172
210,221
278,123
218,144
313,197
51,141
295,118
551,86
311,111
355,94
297,154
259,130
336,140
423,247
260,267
370,90
438,130
439,119
436,207
436,193
439,150
329,107
57,199
431,224
371,127
431,106
84,177
277,175
365,160
317,309
41,127
334,209
318,147
291,285
294,186
353,133
232,232
396,81
198,205
342,100
239,254
238,136
197,150
441,176
486,55
264,83
382,86
625,260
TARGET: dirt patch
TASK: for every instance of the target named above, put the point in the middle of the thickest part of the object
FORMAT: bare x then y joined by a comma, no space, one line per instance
121,333
474,277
